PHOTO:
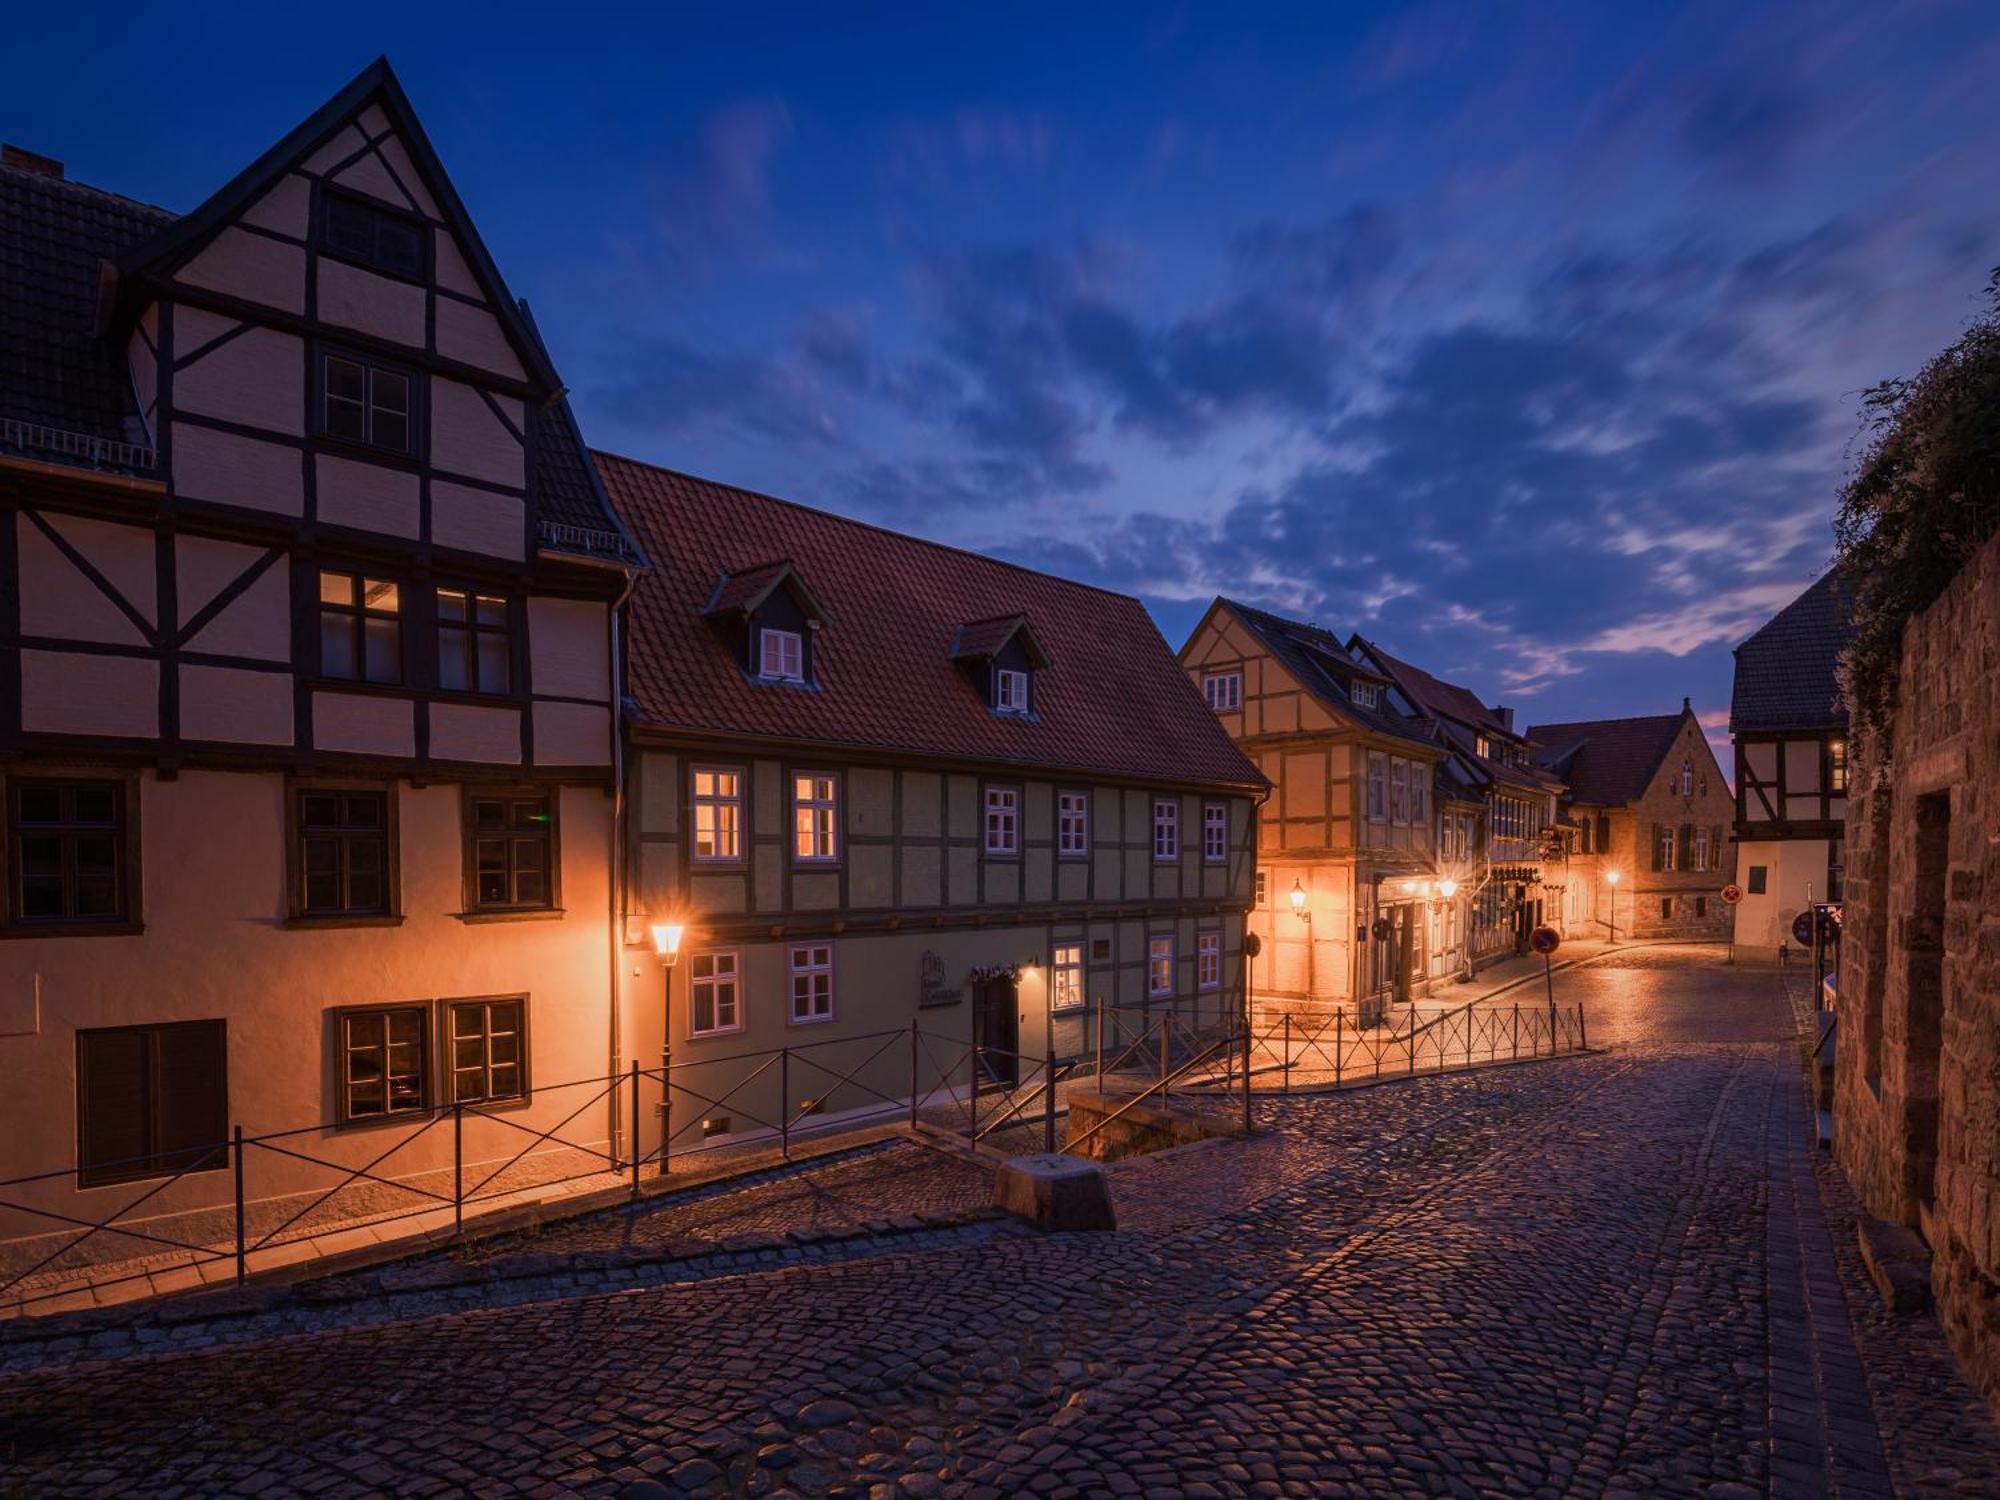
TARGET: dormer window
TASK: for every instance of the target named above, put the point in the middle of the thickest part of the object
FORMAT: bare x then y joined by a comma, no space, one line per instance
1367,695
1483,746
782,655
1010,691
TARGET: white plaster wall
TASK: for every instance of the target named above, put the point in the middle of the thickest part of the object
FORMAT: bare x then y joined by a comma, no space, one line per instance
232,470
569,734
287,207
257,623
343,143
473,336
64,692
475,732
57,600
366,174
569,649
369,497
123,554
477,520
204,567
224,703
257,378
350,297
252,267
393,152
452,270
364,724
467,438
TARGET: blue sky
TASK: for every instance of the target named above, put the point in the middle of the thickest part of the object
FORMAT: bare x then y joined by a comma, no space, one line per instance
1526,339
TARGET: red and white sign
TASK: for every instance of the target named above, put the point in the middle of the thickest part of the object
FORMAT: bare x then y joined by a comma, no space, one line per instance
1732,894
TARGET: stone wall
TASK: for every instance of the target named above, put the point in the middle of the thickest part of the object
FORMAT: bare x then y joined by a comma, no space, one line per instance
1917,1094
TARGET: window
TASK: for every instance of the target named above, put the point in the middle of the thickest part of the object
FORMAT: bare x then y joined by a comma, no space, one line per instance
1224,691
1420,791
360,628
1208,960
1066,977
815,817
384,1061
511,857
812,983
151,1101
1836,766
1378,788
1010,691
475,642
1214,832
1701,849
718,813
1666,906
1663,855
489,1049
1100,950
1687,778
1701,906
1072,824
1367,695
714,993
1483,746
68,853
376,237
364,402
344,846
1166,830
1003,820
1160,965
1399,791
781,655
1261,889
1755,884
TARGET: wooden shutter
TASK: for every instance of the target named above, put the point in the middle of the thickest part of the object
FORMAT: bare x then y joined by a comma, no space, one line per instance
1654,843
191,1112
114,1103
1715,847
1604,833
1684,848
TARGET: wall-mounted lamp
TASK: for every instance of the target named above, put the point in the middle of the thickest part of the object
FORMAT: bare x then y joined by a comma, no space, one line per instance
667,942
1612,876
1299,902
1447,888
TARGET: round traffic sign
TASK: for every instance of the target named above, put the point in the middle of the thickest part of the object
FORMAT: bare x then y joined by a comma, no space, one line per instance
1802,928
1545,940
1732,894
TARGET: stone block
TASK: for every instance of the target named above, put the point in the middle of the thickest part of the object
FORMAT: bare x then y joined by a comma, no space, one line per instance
1055,1193
1898,1263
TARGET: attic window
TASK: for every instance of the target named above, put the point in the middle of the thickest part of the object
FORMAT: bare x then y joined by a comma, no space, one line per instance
1010,691
1367,695
781,655
374,236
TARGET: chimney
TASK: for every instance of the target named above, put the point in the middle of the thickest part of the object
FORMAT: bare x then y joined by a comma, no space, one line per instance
1505,716
29,161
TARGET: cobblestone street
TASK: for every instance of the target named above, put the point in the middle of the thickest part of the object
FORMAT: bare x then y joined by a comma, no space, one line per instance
1608,1274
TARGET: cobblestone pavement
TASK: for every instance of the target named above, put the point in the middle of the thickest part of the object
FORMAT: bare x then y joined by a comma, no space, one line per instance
1603,1275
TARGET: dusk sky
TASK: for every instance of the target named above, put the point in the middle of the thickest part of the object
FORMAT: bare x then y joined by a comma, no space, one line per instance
1526,340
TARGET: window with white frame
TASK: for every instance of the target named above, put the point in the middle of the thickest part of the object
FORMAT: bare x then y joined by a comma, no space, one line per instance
1166,830
781,655
1224,690
1836,766
1701,849
1214,832
1687,778
718,813
1367,695
1378,787
1003,820
1010,690
1072,824
812,983
715,997
1666,852
1399,791
1208,960
1066,977
1261,888
1160,965
815,817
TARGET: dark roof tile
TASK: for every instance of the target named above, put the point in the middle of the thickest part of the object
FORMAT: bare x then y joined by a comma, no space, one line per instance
1319,661
1606,762
1786,674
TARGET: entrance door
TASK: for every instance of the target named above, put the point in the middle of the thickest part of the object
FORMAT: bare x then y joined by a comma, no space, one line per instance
996,1034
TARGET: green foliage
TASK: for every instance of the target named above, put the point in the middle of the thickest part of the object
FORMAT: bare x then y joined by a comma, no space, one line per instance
1924,498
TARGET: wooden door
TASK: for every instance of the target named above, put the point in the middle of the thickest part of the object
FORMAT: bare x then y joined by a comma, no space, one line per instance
996,1033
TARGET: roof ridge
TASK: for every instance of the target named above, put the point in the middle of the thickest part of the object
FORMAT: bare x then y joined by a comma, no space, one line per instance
854,521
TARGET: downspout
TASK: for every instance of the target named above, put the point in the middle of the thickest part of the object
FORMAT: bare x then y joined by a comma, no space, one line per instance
615,896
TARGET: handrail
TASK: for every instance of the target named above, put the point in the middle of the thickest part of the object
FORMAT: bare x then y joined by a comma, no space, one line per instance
1157,1086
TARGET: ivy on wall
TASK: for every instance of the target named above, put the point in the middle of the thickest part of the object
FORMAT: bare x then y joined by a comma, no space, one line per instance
1924,498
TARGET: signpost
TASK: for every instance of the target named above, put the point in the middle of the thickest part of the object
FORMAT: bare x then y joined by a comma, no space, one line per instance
1545,941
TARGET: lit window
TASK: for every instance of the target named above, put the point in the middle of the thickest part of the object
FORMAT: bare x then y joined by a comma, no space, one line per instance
1378,788
714,993
1160,965
475,642
360,628
1003,820
1166,830
815,817
1214,832
1836,766
718,813
1223,690
1261,889
1066,977
1010,691
812,983
1483,746
1208,960
781,655
1073,824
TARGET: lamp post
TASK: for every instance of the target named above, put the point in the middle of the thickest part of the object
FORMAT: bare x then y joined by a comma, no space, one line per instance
1612,876
667,947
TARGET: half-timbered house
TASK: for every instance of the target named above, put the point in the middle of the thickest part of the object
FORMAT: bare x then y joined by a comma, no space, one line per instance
885,787
307,708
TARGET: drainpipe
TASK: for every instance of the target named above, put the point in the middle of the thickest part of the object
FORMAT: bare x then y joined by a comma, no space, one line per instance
615,898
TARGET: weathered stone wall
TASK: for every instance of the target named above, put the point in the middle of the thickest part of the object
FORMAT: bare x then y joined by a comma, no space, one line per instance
1917,1096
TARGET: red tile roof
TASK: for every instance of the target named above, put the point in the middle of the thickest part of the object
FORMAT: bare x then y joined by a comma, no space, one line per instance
1113,702
1606,762
1435,696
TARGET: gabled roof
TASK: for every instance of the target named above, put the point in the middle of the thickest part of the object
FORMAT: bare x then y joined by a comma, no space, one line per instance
1607,762
744,591
174,244
1433,695
1115,703
1786,674
981,640
56,376
1315,657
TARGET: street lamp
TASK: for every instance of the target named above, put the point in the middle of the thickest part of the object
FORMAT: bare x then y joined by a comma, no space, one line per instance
1612,876
1299,902
667,942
